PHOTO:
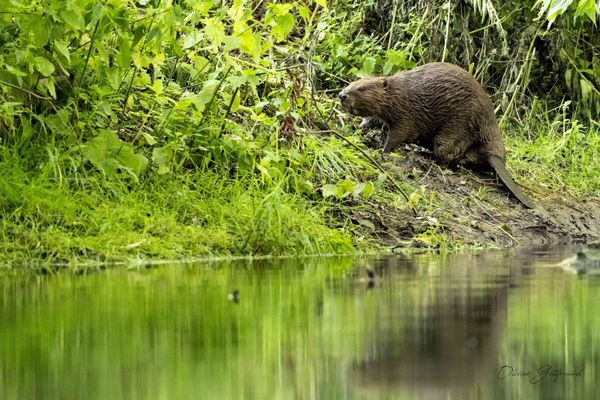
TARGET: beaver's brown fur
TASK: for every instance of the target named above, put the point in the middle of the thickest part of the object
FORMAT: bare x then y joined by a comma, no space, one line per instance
440,106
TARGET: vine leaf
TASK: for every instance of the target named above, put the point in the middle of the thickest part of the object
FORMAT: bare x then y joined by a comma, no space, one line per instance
111,155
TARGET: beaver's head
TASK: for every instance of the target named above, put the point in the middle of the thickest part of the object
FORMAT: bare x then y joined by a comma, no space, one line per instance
365,97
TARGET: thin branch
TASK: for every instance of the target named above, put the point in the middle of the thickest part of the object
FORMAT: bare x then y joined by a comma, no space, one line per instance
37,96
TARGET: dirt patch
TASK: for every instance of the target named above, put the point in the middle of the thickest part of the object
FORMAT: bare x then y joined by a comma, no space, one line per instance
473,208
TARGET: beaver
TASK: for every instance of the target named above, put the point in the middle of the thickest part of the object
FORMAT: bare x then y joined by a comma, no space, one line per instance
439,106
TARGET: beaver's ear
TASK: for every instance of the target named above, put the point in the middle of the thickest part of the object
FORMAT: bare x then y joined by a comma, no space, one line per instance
385,83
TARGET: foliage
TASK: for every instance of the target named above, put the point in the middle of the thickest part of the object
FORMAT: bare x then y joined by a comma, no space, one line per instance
188,85
548,49
116,97
557,151
138,92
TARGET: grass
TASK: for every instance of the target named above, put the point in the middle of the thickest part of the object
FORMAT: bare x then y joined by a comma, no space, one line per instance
193,215
90,217
556,153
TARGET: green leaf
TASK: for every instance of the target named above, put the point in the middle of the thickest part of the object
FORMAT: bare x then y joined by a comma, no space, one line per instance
192,39
369,65
115,77
281,9
45,66
237,12
248,76
553,8
157,86
395,60
97,13
587,8
124,54
345,187
214,30
358,189
49,84
264,171
586,89
249,42
111,155
15,71
367,223
568,78
284,106
63,50
306,187
36,28
304,12
329,190
207,92
231,43
203,7
283,26
235,105
367,191
149,139
73,19
322,3
162,156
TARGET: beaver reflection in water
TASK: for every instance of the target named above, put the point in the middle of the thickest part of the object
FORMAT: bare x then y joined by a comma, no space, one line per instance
440,106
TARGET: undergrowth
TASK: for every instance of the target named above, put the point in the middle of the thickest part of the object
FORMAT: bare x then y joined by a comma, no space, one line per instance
162,129
555,152
188,217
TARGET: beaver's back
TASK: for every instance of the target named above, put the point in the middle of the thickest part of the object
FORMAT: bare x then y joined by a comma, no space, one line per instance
437,94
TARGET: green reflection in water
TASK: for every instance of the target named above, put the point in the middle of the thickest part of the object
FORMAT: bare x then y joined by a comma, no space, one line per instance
428,327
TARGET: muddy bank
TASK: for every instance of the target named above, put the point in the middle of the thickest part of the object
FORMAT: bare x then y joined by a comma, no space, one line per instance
475,209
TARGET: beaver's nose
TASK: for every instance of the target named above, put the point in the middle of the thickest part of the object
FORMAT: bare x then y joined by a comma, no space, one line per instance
343,96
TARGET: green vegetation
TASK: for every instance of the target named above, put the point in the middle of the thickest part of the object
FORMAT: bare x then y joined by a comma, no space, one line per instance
557,152
161,129
189,217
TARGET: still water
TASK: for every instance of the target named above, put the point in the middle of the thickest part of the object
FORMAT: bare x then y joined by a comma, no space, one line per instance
475,326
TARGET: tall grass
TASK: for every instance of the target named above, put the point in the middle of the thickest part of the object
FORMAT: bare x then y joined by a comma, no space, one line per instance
554,151
192,216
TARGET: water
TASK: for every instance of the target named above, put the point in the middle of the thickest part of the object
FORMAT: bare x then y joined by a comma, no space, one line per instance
462,327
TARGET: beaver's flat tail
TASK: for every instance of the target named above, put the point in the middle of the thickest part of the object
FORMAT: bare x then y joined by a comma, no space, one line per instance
504,175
